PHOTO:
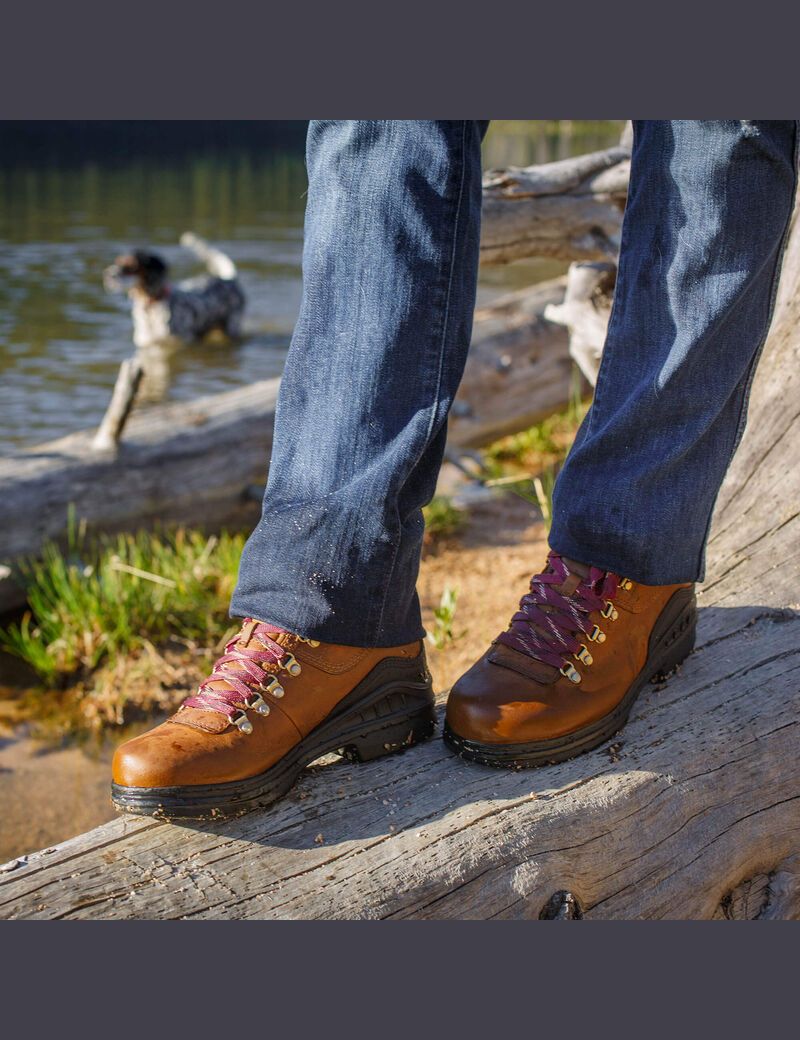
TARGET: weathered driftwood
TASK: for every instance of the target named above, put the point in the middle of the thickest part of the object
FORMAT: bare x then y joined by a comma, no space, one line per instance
568,210
197,463
119,408
178,462
585,313
693,813
697,803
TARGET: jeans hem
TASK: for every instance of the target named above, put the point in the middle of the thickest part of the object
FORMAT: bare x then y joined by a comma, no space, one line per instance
341,634
641,573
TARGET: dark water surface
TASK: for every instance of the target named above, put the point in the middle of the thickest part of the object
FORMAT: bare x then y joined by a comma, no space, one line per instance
72,200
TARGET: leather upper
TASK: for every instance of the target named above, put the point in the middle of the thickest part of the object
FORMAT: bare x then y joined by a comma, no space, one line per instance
508,697
196,746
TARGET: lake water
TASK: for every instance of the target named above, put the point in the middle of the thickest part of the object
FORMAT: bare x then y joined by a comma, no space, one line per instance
69,205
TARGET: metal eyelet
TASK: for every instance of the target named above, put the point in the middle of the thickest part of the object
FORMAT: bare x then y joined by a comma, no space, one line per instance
273,687
291,664
596,635
242,723
609,611
258,704
311,642
570,672
584,656
626,584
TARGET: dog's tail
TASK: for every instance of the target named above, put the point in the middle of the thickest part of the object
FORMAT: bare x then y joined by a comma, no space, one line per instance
217,262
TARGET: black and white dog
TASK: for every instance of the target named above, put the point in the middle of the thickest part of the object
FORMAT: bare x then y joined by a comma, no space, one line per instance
186,312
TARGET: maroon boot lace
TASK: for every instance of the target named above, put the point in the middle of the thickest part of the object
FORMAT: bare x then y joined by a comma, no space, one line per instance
242,669
550,623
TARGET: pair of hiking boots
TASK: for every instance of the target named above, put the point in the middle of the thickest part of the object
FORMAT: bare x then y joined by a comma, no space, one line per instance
558,682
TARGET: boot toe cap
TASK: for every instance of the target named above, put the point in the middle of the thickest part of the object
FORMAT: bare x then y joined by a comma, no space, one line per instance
136,765
161,758
491,704
472,712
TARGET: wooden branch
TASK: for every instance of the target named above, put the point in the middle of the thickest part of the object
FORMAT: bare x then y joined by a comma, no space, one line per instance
585,312
567,210
119,408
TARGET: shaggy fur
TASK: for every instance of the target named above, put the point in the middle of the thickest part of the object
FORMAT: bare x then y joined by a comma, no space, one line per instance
186,312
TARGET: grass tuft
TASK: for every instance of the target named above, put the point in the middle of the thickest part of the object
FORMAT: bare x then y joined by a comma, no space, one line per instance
528,463
443,618
442,519
109,598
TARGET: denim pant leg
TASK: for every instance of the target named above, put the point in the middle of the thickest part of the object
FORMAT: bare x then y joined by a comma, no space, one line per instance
703,236
390,265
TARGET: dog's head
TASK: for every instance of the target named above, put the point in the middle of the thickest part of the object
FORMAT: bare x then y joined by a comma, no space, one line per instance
148,270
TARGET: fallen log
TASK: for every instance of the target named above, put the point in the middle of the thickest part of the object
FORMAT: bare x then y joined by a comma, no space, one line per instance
694,806
189,463
566,210
198,463
694,812
518,371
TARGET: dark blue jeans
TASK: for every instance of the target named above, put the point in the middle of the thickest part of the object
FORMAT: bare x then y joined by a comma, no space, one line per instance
389,276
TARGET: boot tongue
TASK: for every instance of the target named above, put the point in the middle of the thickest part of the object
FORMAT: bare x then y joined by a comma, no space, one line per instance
578,572
247,637
577,568
248,632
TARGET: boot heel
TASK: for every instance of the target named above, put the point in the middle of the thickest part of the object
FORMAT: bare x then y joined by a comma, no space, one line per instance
386,736
676,647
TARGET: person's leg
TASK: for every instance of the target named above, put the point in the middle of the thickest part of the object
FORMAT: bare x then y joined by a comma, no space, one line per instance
389,279
329,656
705,225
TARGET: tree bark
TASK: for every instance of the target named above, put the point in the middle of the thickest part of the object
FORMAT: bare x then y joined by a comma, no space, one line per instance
692,812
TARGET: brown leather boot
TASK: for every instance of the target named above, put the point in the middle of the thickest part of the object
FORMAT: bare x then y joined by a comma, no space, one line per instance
565,674
273,703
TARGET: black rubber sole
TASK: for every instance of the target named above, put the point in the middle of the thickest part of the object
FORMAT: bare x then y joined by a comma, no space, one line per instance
394,715
671,642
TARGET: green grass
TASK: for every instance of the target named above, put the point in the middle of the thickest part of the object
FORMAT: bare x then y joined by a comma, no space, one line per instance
442,519
545,443
108,598
527,463
443,618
